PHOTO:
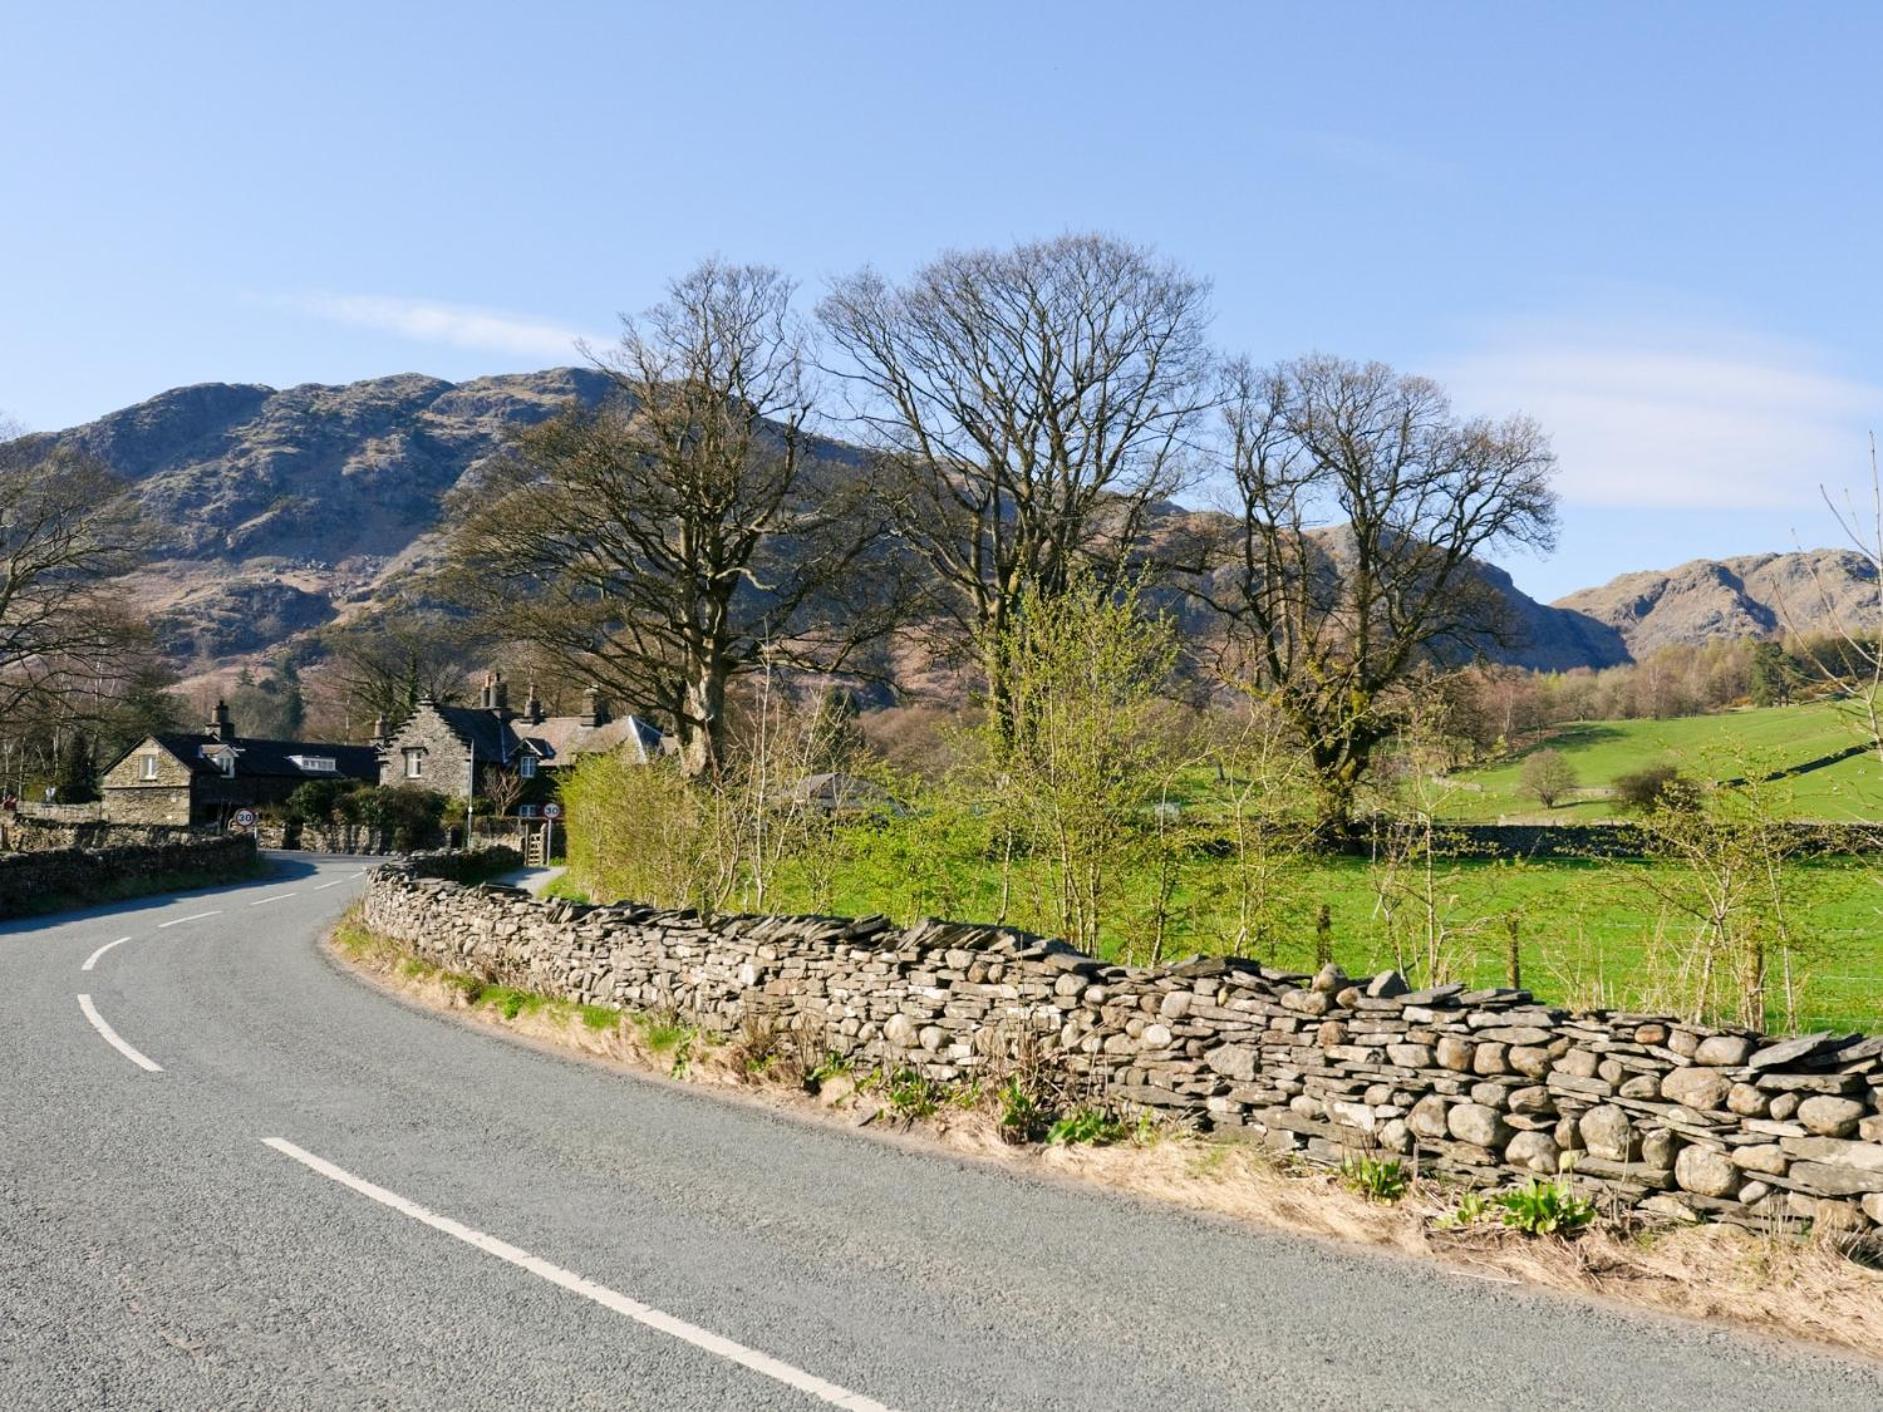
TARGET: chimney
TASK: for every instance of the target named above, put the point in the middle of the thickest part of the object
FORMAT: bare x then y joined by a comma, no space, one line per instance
594,709
496,694
382,735
220,726
533,706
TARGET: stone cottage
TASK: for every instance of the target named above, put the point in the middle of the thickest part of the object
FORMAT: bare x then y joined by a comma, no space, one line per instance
451,749
183,779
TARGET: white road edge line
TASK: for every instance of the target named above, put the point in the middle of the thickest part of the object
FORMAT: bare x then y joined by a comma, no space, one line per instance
92,960
181,920
609,1299
111,1036
264,901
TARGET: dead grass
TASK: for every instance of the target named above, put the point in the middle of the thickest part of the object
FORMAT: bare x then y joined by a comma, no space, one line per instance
1809,1287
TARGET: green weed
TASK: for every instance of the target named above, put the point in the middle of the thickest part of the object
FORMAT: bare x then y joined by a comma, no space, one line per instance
1541,1208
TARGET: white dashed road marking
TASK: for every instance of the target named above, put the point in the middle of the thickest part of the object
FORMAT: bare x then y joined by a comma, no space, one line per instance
609,1299
335,883
197,918
112,1038
92,960
264,901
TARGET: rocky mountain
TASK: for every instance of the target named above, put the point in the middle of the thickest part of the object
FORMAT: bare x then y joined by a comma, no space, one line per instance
1752,595
279,511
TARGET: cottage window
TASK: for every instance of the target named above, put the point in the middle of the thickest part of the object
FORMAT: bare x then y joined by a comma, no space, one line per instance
226,763
316,764
526,767
150,767
414,764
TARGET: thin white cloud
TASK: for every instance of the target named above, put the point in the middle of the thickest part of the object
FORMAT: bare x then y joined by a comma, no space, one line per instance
457,325
1371,157
1652,419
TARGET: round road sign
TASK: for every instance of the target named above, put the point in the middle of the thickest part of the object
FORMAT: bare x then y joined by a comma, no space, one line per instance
245,818
552,811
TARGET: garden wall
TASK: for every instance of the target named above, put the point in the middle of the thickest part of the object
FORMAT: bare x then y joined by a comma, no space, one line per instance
36,835
1678,1120
77,877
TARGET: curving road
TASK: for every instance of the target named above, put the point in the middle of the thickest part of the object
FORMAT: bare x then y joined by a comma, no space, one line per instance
232,1176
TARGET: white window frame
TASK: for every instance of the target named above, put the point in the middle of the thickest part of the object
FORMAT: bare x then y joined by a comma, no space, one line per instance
317,764
526,767
415,762
150,767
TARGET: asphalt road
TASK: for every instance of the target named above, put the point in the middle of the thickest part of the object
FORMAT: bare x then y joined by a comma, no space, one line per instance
445,1219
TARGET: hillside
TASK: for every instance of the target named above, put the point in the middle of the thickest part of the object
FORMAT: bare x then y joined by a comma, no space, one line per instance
278,511
1723,745
1753,595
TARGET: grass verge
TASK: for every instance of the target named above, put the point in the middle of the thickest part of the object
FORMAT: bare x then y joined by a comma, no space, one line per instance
1815,1287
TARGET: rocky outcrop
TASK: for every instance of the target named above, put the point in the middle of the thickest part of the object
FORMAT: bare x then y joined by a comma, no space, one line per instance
275,510
1753,595
1486,1086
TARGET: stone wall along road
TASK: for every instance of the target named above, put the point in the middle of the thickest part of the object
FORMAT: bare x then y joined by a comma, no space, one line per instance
1677,1120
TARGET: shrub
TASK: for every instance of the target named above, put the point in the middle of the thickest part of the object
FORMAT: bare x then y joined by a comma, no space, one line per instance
1656,787
645,833
319,801
1547,776
1542,1208
1377,1179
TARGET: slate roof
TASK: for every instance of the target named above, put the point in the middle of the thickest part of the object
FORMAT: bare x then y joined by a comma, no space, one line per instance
273,758
484,732
560,740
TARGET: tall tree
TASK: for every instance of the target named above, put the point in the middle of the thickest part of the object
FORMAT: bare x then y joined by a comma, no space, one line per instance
390,662
66,530
688,530
1361,506
1031,406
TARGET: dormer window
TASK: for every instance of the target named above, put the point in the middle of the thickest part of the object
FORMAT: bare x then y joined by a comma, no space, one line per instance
526,767
315,764
223,760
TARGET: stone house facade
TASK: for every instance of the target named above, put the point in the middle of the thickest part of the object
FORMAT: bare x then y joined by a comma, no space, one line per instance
453,749
192,779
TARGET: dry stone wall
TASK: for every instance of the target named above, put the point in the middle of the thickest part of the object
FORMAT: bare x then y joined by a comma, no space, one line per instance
1488,1086
73,877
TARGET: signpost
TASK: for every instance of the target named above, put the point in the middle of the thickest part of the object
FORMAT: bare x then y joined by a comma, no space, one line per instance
245,818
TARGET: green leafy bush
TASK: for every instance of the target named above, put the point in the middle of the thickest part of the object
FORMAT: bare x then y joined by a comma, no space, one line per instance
1472,1207
912,1095
1542,1208
1088,1125
1023,1117
1375,1178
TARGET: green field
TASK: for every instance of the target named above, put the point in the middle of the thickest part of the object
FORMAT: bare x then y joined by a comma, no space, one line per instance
1590,934
1705,747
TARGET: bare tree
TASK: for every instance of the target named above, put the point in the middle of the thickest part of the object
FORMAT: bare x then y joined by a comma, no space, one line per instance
66,530
502,787
1032,405
1351,559
663,544
388,664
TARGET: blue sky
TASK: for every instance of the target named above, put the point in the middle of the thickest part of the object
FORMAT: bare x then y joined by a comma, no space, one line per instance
1655,227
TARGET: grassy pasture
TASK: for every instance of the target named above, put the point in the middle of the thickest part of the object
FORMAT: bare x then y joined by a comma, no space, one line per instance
1586,930
1705,747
